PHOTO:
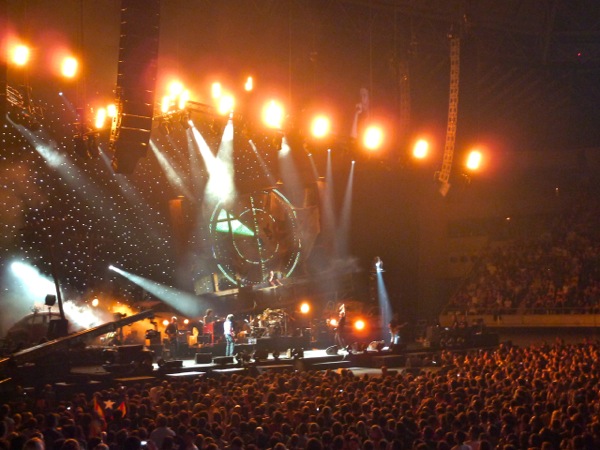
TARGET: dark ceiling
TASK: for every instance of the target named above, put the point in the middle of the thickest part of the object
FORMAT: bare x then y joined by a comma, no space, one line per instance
530,69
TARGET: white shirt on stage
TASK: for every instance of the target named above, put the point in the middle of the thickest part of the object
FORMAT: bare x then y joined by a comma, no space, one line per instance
227,328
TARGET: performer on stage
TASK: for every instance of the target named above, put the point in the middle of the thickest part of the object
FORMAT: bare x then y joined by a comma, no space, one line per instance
171,331
228,331
340,331
273,280
208,317
395,332
208,330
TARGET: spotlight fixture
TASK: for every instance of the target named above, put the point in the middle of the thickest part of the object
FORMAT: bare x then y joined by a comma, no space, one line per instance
377,264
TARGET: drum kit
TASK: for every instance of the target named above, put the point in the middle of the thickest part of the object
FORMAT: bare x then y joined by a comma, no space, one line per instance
271,323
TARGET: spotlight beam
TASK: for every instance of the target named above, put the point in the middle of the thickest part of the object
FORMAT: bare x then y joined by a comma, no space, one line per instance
196,166
88,191
174,179
263,165
384,302
343,236
183,302
289,170
220,182
133,197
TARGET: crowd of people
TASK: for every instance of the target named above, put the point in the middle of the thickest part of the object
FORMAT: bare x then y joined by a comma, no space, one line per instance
555,271
542,397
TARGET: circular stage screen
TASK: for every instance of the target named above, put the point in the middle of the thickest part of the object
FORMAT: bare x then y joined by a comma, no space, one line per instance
254,234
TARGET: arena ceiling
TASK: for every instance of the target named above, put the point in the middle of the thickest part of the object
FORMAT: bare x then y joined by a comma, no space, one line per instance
530,73
531,66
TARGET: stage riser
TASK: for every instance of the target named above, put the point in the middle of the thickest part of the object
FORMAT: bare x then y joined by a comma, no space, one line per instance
281,344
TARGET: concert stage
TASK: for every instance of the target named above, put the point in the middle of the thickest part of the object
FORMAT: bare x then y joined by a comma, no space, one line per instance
207,364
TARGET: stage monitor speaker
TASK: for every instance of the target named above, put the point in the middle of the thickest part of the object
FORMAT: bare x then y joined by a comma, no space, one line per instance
203,358
136,82
333,350
223,360
170,365
129,353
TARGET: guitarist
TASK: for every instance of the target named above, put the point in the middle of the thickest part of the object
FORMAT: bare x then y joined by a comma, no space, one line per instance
171,331
395,332
229,332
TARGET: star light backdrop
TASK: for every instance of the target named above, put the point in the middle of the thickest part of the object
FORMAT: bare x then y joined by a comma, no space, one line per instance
74,211
515,96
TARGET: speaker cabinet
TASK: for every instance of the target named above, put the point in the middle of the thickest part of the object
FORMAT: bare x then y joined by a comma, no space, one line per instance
203,358
223,360
170,365
136,82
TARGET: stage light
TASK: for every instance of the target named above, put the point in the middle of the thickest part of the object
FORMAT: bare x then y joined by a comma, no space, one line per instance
32,283
474,160
111,110
100,118
320,127
183,99
304,308
50,300
421,149
215,90
68,67
165,104
175,89
359,325
249,85
20,55
186,321
95,302
285,147
333,322
377,264
226,103
273,114
373,137
165,322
